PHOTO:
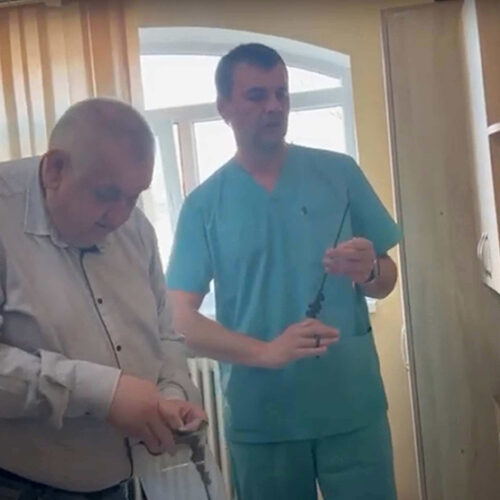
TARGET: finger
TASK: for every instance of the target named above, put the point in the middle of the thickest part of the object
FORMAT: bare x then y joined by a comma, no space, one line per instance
343,264
333,253
150,441
310,352
307,322
330,259
189,411
323,331
341,247
170,413
363,258
351,254
312,323
332,267
163,434
316,341
335,267
363,246
327,338
358,264
196,411
192,426
327,330
308,342
356,243
193,421
199,413
361,243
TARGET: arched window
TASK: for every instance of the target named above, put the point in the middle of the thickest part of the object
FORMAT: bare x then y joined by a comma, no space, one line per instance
178,67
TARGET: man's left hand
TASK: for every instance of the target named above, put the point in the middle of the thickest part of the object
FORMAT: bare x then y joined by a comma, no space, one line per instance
353,258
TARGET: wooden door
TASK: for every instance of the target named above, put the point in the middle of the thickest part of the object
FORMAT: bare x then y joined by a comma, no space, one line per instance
452,319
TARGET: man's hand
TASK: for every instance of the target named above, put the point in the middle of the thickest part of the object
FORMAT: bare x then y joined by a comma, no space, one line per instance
176,411
299,340
354,258
139,410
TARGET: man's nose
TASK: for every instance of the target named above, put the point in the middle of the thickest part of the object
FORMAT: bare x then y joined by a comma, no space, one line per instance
274,103
117,214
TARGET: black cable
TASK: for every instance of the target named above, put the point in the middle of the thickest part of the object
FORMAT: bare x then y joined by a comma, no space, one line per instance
314,308
196,441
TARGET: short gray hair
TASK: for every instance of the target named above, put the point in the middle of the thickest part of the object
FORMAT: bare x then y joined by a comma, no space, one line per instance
99,119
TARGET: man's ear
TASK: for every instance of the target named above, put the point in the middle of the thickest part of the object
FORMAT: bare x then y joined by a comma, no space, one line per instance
222,107
53,166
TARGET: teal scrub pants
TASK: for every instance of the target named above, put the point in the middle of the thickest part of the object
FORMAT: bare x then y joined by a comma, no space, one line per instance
352,466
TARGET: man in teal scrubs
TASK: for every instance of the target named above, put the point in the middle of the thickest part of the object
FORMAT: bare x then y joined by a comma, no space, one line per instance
304,396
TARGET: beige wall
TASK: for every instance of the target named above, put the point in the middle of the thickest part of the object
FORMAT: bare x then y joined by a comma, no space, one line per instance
351,27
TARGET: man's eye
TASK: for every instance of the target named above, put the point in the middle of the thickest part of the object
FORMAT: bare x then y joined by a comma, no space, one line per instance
256,96
282,94
107,195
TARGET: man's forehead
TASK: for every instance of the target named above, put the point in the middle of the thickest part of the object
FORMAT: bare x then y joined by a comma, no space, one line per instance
126,178
127,187
247,75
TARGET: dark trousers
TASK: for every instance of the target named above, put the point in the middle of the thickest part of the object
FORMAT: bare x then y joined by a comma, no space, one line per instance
14,487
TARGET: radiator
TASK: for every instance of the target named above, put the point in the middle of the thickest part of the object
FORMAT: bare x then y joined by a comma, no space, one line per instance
205,375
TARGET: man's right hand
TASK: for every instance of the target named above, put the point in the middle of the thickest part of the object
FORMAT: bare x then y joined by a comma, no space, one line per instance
139,410
299,340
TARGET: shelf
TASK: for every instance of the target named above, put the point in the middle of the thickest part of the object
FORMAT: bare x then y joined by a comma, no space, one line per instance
494,129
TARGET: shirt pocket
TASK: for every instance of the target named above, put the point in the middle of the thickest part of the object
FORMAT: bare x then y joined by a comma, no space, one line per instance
240,243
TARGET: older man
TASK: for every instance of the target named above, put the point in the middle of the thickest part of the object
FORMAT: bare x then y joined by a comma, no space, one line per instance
88,357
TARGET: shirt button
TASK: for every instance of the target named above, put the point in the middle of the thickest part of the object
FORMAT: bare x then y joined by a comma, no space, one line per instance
118,347
99,300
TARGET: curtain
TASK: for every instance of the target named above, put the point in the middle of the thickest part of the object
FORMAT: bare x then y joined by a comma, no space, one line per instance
52,57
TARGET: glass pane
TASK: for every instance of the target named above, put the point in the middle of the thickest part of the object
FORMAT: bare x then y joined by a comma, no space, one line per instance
182,80
301,80
207,307
215,145
178,156
177,143
156,207
318,128
178,80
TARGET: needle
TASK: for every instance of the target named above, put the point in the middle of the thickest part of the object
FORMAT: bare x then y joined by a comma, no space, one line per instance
165,469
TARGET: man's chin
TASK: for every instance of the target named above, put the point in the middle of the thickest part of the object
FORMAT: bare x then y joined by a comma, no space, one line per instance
271,144
85,242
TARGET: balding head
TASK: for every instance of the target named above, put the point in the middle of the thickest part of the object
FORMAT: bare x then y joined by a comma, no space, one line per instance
100,158
88,125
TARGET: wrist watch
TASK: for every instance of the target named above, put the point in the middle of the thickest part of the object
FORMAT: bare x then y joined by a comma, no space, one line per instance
375,272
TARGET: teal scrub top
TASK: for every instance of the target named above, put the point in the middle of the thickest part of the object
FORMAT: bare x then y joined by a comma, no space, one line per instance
264,252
